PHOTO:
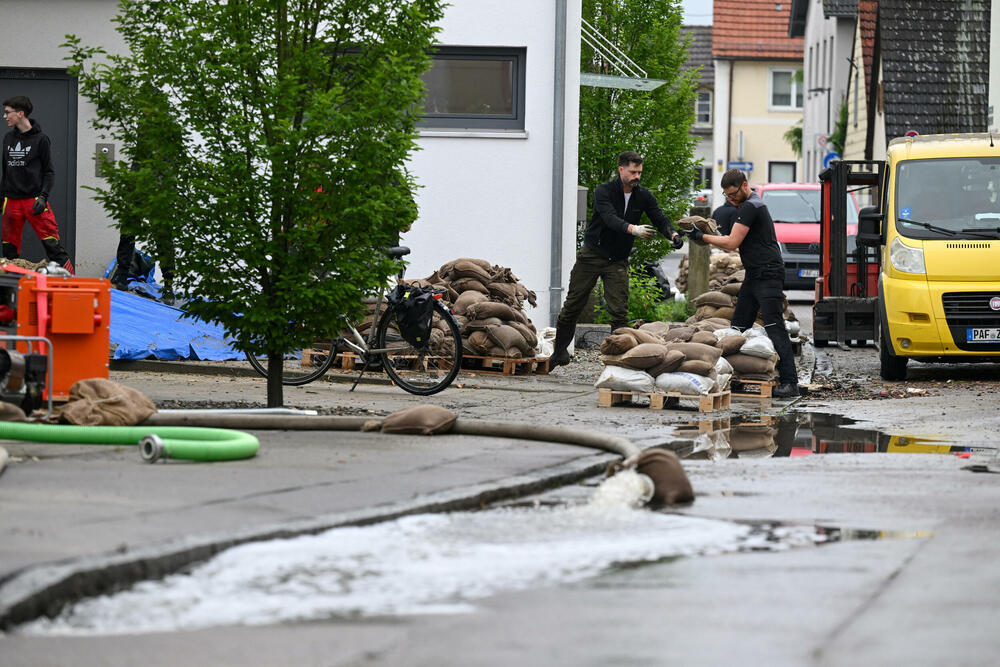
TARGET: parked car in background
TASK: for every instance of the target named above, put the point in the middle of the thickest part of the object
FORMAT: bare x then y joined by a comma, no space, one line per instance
795,209
701,197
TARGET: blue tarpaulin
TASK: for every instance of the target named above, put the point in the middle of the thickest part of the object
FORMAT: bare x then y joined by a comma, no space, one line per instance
141,328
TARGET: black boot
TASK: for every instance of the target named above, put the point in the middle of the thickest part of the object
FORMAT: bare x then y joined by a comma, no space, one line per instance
560,352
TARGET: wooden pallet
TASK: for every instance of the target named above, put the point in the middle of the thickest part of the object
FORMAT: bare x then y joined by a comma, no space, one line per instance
758,391
309,353
704,425
752,388
505,365
706,402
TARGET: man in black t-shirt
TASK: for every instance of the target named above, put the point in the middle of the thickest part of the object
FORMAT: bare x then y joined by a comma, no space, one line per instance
724,216
753,234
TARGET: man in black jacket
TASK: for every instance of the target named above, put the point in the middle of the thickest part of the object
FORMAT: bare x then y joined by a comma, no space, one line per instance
26,178
607,242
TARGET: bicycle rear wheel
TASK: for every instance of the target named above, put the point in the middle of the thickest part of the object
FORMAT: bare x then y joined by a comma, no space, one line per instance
422,371
299,366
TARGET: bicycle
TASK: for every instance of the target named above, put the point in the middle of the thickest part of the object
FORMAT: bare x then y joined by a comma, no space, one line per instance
422,370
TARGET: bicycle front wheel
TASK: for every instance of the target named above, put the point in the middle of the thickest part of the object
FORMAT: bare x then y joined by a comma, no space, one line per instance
299,366
427,370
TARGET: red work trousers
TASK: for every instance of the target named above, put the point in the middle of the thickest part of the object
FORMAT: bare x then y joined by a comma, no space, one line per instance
18,211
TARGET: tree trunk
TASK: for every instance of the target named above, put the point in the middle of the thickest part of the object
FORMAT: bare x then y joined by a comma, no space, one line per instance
275,397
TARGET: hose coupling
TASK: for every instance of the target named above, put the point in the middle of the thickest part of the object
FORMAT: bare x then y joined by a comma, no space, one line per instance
151,448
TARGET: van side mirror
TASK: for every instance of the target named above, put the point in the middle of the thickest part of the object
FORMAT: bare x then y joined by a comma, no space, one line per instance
870,227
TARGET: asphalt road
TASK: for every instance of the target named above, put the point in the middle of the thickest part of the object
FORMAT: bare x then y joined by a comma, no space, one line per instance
910,579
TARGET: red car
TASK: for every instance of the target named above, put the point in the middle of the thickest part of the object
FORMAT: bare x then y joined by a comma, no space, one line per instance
795,209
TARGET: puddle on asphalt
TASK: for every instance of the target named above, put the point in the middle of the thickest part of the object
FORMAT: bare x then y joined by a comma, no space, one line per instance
428,564
798,434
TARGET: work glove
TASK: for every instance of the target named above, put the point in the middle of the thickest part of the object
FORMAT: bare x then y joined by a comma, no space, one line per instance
39,206
642,231
695,234
677,241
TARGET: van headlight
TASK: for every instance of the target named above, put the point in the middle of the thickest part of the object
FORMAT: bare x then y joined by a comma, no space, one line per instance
906,259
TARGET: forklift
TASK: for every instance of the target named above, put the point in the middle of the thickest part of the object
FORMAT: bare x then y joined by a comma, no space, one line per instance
846,302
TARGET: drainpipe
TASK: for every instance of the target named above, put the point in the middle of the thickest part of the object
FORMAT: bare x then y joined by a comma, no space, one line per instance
558,161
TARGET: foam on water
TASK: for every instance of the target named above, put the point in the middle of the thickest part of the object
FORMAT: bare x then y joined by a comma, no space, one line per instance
428,563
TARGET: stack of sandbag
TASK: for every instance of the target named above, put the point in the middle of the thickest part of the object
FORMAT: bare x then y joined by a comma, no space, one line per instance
726,276
654,358
488,303
685,358
721,265
750,353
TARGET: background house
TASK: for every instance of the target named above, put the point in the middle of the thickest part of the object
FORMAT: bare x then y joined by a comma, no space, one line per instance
498,181
700,55
929,71
759,90
857,145
827,27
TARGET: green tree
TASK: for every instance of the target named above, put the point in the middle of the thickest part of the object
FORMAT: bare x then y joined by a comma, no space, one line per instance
793,137
654,123
839,135
286,125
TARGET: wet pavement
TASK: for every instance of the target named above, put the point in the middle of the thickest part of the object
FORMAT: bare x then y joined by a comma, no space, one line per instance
893,566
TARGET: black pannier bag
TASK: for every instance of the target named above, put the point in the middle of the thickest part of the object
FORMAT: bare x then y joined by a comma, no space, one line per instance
413,308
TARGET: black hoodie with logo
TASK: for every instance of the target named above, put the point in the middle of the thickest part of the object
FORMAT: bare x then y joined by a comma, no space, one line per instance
26,169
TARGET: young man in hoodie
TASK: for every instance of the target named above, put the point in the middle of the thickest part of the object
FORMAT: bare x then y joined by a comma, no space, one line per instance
26,178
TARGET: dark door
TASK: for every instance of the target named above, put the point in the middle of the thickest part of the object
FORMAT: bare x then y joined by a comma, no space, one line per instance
53,94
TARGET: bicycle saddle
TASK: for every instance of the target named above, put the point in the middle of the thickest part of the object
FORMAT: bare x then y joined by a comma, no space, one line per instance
397,251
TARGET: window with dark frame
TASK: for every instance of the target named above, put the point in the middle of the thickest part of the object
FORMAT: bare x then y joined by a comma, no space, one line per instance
703,108
479,88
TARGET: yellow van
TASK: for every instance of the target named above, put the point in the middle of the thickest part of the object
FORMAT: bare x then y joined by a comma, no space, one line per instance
938,225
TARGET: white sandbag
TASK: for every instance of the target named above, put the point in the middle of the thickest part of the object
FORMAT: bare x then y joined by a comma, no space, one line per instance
758,346
722,381
723,366
755,332
546,343
793,328
688,384
725,333
619,378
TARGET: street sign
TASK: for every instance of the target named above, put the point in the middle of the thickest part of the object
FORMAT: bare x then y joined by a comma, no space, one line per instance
742,166
829,158
822,140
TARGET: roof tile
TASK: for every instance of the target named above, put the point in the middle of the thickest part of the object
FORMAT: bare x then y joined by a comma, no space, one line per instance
753,29
847,8
700,52
935,65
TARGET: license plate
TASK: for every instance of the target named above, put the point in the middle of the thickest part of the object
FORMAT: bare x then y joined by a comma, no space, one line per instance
808,273
983,335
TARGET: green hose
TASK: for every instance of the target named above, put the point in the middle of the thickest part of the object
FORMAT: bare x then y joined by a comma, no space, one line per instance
155,442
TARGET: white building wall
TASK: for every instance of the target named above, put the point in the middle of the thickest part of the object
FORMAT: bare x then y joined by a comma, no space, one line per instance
48,23
489,194
720,131
483,195
857,104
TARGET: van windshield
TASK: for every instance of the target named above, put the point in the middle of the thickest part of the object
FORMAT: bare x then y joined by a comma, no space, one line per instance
801,206
960,197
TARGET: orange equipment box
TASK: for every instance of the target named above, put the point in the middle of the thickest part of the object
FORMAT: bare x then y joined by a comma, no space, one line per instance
74,314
